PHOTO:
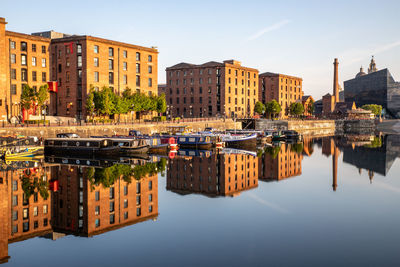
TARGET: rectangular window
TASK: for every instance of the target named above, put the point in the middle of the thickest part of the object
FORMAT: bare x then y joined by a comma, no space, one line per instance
137,67
111,192
13,59
24,75
23,60
44,78
110,64
79,61
125,203
96,61
125,215
12,45
125,66
138,211
14,185
97,223
33,61
137,80
43,49
44,209
43,63
25,213
111,78
125,54
13,74
97,195
150,197
150,82
112,218
150,185
96,76
125,190
15,215
125,79
96,49
35,211
45,222
151,208
137,56
25,226
150,69
112,206
15,201
35,224
150,58
137,200
137,188
79,48
15,228
110,52
97,210
23,46
13,89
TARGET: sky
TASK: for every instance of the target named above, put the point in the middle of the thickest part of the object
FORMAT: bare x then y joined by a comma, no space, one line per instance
298,38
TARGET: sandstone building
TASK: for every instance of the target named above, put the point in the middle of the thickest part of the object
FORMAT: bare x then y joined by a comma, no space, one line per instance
211,89
283,88
24,59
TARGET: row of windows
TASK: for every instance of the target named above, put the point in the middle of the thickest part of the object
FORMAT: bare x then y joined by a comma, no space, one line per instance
25,226
124,65
24,61
126,216
192,91
25,212
24,47
96,50
24,75
112,190
124,79
209,72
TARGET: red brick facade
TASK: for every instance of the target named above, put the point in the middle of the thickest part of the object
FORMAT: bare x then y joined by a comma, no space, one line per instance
211,89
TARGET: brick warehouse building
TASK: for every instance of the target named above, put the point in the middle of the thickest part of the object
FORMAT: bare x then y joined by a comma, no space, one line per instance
24,59
80,62
76,63
283,88
211,89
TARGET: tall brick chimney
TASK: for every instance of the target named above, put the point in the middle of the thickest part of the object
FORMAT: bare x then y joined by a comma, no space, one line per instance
3,62
335,80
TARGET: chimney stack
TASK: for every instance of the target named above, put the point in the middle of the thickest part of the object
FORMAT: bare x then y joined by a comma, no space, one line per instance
335,80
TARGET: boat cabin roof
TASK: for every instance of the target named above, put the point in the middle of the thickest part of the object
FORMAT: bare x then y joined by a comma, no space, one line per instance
77,139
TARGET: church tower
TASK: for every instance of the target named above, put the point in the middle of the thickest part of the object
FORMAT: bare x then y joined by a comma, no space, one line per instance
372,66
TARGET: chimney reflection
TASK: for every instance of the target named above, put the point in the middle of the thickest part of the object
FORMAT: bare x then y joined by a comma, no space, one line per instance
216,175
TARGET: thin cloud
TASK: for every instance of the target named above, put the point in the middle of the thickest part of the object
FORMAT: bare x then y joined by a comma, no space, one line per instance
354,56
271,28
268,204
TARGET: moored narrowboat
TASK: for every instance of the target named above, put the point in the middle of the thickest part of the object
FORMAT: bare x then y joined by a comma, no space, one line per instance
194,141
80,146
131,146
240,141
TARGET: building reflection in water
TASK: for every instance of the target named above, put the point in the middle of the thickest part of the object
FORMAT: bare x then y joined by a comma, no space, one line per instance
51,200
281,162
218,174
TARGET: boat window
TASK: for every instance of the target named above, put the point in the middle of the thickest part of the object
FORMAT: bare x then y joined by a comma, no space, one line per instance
181,139
87,143
192,153
192,139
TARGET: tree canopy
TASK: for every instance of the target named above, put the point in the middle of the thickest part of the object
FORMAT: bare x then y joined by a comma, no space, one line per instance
273,108
376,109
259,108
296,109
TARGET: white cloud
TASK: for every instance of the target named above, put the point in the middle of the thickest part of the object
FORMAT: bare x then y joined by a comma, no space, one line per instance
271,28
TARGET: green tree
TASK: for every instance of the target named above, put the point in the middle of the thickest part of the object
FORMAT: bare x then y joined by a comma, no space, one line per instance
105,101
161,103
259,108
296,109
90,106
28,96
375,109
273,108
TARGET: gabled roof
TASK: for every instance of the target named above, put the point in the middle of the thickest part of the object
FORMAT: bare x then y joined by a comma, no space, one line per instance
306,97
211,64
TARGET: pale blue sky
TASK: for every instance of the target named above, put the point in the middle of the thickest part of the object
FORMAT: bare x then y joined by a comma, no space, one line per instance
299,38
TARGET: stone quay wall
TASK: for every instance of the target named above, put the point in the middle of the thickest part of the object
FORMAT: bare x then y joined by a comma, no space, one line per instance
122,129
319,127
